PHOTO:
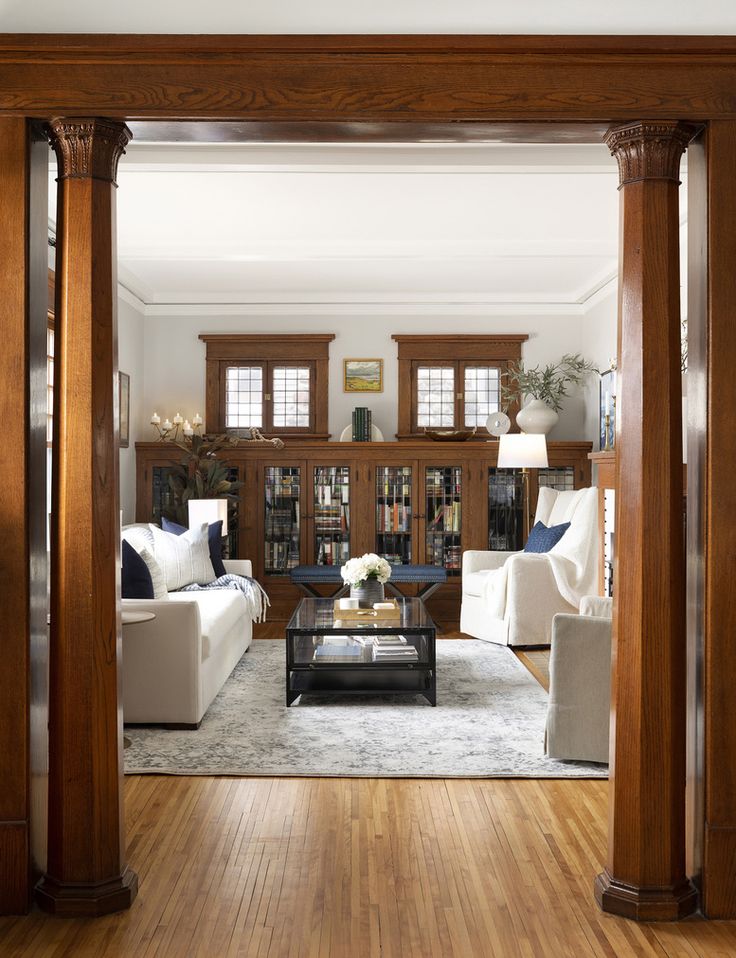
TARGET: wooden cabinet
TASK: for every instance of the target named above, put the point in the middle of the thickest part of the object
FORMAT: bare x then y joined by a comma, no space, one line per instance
414,502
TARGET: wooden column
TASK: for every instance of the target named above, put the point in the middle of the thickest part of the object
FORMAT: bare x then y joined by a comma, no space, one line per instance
23,232
645,875
86,873
711,376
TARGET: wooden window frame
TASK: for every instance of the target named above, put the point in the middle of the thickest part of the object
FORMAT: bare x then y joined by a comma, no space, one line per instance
286,349
456,351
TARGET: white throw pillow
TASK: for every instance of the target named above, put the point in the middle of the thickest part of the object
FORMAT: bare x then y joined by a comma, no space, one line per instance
158,579
139,535
184,559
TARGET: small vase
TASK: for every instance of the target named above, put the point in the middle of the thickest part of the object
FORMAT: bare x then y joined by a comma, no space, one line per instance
368,592
537,417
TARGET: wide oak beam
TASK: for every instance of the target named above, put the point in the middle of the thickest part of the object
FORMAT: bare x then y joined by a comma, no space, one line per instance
645,875
86,872
351,78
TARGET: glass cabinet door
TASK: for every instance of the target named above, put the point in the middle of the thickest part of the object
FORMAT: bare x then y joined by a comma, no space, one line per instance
443,516
282,527
505,510
394,513
331,515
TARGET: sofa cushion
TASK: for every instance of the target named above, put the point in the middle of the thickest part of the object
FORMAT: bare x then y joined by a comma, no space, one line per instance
474,583
186,558
219,611
136,582
215,541
543,538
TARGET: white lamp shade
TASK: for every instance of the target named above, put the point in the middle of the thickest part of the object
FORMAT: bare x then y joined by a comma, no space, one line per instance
522,451
208,510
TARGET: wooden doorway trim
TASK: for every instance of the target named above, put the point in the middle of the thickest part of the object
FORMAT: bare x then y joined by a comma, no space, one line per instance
548,89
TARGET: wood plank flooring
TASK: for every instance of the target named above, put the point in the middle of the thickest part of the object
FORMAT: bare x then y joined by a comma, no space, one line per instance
294,868
345,868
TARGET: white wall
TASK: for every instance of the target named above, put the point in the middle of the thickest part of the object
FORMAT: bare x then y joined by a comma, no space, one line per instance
379,16
130,360
174,370
598,343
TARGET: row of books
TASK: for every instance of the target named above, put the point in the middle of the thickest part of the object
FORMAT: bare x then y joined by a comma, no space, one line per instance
282,556
328,494
389,489
393,517
362,424
447,517
335,518
440,552
332,552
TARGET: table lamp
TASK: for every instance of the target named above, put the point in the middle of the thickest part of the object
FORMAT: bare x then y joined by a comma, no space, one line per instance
523,451
208,510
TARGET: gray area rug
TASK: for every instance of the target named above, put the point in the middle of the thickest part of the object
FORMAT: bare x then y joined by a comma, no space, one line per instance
488,723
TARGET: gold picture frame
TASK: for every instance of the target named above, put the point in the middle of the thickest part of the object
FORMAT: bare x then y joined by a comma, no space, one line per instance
362,375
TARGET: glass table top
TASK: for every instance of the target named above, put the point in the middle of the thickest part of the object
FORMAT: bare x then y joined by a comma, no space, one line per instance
318,615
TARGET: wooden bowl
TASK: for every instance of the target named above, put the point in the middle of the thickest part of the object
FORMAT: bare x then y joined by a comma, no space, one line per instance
449,435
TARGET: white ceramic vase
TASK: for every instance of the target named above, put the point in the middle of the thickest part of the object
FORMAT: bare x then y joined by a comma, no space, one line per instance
537,417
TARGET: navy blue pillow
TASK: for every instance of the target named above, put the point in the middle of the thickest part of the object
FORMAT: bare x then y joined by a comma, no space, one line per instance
215,541
542,538
136,582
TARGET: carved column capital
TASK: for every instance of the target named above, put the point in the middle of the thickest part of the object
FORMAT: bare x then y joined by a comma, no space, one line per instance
88,148
649,150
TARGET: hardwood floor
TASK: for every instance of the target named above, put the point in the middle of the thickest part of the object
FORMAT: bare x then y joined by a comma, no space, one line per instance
345,868
286,868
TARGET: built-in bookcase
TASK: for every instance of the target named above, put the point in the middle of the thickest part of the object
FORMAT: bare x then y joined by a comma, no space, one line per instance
505,510
394,513
282,518
443,489
331,488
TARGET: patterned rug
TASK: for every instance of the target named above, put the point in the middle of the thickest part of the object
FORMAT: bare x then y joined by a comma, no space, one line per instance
488,723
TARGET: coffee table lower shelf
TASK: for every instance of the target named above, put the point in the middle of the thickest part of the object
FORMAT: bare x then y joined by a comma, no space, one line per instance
362,680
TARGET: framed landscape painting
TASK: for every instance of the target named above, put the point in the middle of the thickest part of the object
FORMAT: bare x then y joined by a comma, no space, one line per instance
363,375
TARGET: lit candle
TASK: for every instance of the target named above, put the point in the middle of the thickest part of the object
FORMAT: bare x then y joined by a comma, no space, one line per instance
178,420
608,403
155,419
197,420
167,424
187,428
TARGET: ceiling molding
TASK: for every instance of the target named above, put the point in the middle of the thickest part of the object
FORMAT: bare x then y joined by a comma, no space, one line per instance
447,308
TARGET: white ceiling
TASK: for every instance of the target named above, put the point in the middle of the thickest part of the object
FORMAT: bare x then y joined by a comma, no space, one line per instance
378,16
488,224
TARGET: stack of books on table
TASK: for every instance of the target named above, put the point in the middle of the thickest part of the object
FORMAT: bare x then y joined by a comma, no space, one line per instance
393,648
338,649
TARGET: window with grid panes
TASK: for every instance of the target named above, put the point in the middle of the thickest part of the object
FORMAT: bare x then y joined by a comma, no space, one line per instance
452,381
276,383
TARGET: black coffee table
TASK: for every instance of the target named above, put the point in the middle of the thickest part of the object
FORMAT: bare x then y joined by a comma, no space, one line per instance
307,671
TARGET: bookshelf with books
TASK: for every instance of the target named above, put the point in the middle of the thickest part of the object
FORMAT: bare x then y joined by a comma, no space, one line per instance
282,515
443,492
331,505
414,502
394,513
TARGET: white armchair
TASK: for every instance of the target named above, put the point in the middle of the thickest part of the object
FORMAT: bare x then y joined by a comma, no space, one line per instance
512,597
578,715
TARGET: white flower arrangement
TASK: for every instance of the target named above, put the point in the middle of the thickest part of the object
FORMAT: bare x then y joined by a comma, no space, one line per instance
368,566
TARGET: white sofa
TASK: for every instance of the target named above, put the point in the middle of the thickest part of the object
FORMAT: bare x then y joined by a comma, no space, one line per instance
522,613
578,715
174,665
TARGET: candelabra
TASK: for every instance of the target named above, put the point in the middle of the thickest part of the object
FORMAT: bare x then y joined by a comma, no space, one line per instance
169,430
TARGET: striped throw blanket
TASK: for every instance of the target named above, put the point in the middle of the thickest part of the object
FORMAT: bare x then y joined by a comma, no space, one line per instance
255,597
